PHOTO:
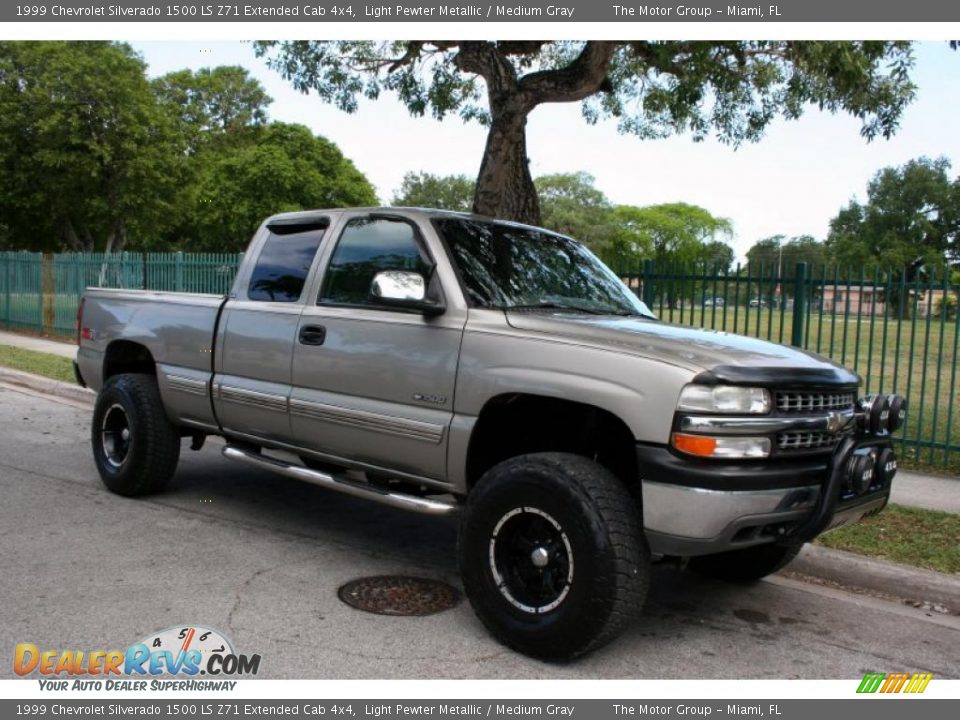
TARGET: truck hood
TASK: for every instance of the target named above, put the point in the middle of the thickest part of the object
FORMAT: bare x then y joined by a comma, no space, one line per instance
719,356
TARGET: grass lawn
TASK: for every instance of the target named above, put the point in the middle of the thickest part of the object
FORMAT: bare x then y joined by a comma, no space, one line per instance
912,536
51,366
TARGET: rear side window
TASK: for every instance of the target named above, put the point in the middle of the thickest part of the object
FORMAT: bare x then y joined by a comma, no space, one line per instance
366,247
284,263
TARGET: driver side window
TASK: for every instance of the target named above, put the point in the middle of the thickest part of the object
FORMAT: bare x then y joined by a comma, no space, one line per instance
368,246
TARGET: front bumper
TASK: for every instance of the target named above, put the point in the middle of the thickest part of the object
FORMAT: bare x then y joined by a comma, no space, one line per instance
693,507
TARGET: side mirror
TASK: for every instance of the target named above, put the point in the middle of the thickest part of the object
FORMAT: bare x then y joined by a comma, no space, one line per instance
403,289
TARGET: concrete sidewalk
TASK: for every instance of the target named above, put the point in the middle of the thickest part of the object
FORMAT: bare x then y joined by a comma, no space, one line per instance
926,491
910,489
28,342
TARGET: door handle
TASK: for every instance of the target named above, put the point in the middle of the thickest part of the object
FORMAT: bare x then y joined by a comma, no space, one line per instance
313,335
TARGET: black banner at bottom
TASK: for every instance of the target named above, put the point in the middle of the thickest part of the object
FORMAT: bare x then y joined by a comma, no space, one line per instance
869,707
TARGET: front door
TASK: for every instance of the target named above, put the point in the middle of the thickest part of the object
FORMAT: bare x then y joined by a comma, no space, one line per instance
371,384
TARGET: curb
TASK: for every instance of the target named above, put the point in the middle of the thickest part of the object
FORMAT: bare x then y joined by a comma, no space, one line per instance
836,566
889,578
46,385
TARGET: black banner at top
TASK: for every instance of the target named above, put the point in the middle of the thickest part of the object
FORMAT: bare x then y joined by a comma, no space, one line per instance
627,11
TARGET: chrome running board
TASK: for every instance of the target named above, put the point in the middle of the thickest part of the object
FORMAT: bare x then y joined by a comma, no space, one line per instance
425,506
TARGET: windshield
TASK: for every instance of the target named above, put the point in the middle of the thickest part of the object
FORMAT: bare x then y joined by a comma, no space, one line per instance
508,267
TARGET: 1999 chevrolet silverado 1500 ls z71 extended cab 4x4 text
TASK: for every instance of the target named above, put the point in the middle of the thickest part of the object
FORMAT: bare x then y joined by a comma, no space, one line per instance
442,362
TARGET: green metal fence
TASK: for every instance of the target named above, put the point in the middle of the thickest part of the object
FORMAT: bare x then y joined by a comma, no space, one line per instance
898,329
21,302
40,293
179,272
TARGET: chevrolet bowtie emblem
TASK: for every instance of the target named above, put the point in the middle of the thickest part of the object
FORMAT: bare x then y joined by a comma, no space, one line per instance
835,422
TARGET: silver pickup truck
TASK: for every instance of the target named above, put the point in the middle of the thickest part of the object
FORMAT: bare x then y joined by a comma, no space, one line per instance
448,363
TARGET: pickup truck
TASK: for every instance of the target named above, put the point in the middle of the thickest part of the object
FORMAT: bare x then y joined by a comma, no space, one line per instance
448,363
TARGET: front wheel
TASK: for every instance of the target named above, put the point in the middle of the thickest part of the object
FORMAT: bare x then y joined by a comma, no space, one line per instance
747,565
552,555
135,446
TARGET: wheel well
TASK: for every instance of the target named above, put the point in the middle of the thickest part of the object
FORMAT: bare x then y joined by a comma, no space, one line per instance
516,424
124,356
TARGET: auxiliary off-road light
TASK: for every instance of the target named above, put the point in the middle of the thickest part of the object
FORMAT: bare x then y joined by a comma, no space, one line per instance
877,411
886,466
723,447
898,413
860,472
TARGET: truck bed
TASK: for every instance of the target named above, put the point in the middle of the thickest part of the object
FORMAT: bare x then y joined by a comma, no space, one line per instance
178,330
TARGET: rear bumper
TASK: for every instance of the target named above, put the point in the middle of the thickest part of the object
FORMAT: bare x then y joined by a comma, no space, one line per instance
695,508
78,376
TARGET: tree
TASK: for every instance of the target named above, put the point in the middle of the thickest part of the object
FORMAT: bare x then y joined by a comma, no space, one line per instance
572,205
88,155
717,254
283,167
652,88
783,253
213,104
912,212
450,192
672,233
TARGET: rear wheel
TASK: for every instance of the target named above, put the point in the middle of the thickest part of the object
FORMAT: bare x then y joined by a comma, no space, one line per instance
135,446
552,555
747,565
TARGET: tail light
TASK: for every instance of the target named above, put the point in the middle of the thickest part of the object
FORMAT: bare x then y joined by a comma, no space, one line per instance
80,319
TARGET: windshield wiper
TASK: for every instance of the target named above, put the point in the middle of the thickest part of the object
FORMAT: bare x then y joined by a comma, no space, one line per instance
561,306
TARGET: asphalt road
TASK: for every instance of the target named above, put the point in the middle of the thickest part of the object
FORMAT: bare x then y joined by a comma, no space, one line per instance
260,557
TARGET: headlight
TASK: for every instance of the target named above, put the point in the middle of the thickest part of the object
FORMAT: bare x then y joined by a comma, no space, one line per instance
724,399
721,447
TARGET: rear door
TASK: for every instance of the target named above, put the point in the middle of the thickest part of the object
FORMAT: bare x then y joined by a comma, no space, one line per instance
258,329
374,384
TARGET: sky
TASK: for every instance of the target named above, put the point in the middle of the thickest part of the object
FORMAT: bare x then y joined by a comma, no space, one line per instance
792,182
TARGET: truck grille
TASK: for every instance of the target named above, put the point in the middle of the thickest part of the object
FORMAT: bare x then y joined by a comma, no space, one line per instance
795,401
806,440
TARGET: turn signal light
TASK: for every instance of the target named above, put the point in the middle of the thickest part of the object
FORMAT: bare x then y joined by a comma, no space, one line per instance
723,447
695,444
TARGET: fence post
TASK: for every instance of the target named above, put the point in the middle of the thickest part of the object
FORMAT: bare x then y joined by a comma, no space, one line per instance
178,265
48,294
799,305
6,280
647,289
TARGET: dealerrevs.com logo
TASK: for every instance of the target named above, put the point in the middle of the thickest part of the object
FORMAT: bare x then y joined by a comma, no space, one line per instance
184,651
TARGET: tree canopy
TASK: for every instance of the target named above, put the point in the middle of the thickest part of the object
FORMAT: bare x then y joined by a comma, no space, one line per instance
671,233
912,212
445,192
282,167
652,89
88,155
212,104
783,252
97,157
572,205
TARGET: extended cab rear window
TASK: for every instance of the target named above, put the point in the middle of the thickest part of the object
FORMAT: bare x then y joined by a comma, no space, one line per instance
284,262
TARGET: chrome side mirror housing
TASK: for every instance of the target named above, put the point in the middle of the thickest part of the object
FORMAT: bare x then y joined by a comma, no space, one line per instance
404,289
398,285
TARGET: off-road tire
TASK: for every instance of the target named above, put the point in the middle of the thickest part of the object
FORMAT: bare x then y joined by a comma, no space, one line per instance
747,565
611,561
153,449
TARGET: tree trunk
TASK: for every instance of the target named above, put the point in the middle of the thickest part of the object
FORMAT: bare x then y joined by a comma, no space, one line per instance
505,188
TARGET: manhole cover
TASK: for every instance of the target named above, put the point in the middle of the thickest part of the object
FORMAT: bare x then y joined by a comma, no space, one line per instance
398,595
